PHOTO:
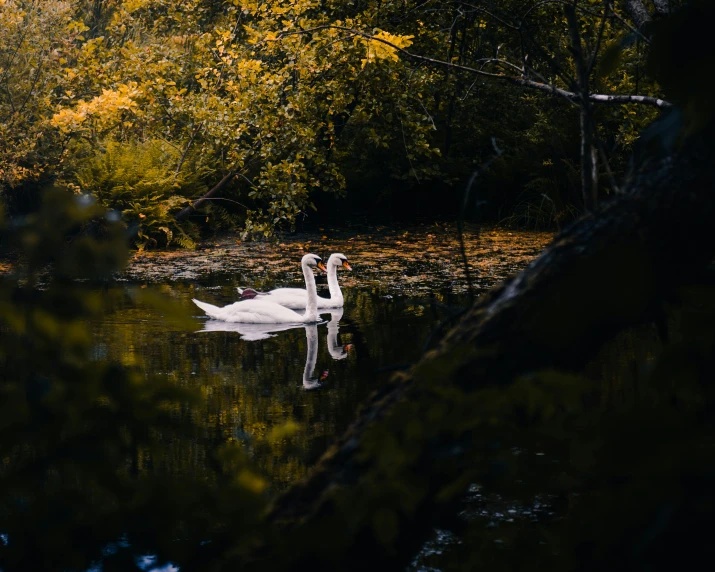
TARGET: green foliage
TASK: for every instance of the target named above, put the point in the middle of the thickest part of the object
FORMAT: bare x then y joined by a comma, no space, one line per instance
294,114
79,435
143,182
34,37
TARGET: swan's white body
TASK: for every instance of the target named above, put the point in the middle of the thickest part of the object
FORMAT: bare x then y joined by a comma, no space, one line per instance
264,311
296,297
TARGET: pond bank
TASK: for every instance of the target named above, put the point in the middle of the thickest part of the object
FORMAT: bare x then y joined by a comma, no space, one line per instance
406,260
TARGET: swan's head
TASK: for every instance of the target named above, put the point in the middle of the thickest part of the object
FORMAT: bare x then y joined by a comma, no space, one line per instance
338,259
314,260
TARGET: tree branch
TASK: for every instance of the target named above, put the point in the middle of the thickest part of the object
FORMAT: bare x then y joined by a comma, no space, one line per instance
599,38
530,84
186,149
185,212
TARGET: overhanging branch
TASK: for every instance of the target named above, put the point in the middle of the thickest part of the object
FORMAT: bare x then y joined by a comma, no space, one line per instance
521,81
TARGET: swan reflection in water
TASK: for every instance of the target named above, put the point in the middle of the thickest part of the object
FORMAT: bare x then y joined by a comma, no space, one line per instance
255,332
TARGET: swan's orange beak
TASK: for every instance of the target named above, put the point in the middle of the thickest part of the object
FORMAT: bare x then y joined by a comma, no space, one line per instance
322,266
346,265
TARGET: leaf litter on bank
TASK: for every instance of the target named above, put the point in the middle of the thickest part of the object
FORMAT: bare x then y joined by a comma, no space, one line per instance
412,261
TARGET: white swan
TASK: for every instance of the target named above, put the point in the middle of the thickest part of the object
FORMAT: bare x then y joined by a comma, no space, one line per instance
268,312
296,297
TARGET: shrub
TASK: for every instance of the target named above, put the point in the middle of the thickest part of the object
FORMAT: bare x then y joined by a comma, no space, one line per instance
142,181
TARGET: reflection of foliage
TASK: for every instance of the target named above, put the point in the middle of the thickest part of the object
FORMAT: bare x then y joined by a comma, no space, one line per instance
86,445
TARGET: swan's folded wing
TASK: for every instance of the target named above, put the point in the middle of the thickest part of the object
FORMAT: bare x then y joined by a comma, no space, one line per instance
297,298
288,297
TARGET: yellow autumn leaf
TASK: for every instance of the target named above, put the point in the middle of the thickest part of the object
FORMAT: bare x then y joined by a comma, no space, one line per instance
377,49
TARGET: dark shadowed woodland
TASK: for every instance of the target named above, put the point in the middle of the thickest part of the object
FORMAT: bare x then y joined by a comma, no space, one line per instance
524,374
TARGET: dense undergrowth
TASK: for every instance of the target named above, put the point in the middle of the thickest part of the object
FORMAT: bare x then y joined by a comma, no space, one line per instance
146,104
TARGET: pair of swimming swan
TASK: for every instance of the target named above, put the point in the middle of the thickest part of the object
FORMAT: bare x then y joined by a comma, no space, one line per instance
276,306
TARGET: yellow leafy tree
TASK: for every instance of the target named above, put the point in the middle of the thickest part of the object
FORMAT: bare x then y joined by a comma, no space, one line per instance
383,46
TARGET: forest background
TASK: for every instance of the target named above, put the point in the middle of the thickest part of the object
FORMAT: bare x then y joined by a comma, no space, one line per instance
284,108
148,106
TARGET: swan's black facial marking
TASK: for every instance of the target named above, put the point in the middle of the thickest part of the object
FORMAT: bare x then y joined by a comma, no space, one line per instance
319,263
345,264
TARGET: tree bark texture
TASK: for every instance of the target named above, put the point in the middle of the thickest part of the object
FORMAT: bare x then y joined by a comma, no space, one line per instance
662,7
611,269
638,12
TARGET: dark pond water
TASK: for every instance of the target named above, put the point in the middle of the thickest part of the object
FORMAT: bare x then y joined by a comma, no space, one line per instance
114,469
120,476
279,395
256,378
311,379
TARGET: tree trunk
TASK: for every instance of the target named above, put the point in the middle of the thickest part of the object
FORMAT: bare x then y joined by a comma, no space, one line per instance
611,269
589,164
662,7
638,12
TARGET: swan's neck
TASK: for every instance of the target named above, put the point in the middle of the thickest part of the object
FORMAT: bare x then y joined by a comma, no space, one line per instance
336,351
311,307
311,355
333,286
